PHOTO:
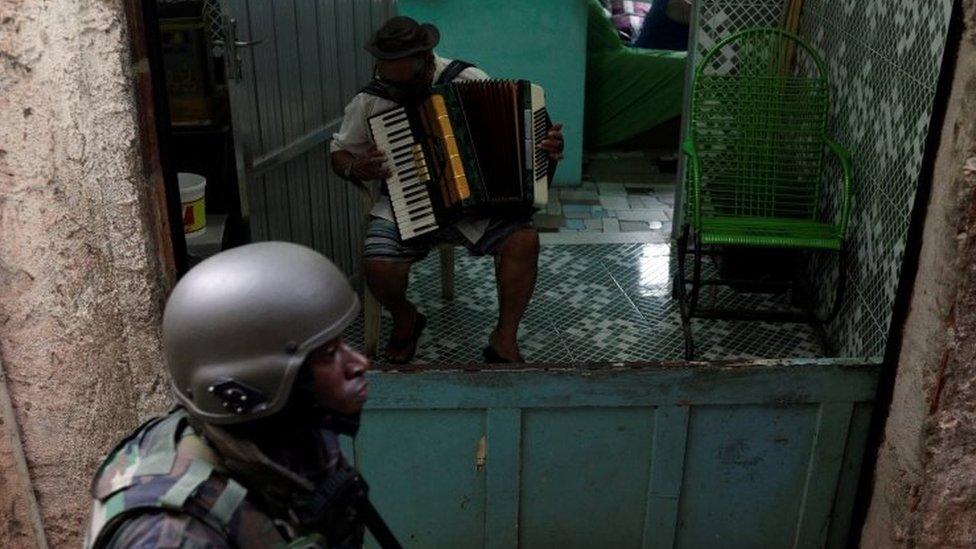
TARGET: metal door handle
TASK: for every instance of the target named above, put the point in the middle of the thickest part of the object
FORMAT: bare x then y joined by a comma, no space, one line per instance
233,58
239,43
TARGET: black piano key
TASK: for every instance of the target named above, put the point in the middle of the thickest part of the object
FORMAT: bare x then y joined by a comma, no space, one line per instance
411,187
412,207
416,192
426,227
402,132
415,188
420,211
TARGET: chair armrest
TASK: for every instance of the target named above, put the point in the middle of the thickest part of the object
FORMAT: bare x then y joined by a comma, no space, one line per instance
694,197
847,172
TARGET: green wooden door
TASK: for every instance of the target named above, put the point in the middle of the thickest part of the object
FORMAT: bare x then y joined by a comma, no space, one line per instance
762,455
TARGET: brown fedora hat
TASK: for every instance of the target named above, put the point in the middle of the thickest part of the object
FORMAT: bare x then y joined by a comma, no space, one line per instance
401,37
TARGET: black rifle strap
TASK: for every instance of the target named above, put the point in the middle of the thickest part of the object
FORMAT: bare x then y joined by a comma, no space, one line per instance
374,522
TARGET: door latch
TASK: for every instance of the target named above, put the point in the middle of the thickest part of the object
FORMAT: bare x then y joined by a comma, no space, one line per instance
230,48
481,454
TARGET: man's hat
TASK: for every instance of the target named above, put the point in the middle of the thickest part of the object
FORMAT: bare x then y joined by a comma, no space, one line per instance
401,37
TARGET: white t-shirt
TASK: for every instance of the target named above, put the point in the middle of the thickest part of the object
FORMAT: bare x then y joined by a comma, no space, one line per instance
353,136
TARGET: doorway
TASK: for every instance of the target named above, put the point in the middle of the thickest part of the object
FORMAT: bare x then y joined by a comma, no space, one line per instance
257,88
693,452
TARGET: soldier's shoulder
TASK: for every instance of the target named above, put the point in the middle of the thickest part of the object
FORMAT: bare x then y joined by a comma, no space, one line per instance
165,529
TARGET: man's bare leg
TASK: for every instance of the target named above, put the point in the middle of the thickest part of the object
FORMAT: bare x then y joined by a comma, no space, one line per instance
515,272
388,282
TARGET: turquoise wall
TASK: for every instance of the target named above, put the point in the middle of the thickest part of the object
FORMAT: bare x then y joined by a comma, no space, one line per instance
543,41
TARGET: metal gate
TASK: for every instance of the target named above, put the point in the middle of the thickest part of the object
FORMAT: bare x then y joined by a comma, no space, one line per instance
292,66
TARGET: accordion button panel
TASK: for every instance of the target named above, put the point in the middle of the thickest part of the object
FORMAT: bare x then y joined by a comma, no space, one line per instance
540,127
407,184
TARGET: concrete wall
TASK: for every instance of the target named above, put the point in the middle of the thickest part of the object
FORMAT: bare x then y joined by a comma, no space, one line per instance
81,279
925,480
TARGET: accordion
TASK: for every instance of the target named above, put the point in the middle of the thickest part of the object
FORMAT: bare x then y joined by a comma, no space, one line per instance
468,148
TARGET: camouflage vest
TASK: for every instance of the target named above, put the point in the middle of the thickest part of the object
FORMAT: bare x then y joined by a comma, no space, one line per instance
164,465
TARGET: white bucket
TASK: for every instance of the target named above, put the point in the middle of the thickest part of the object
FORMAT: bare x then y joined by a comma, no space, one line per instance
193,188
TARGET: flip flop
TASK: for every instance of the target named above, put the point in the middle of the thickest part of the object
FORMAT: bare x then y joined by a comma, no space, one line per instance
418,328
492,357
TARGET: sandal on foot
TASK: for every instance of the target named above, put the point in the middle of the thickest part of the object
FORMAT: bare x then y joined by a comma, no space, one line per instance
411,342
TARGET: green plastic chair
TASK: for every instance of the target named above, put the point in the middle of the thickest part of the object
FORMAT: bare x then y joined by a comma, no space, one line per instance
756,156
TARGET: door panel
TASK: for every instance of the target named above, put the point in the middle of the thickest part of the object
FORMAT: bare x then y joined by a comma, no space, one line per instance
675,456
442,484
568,473
287,99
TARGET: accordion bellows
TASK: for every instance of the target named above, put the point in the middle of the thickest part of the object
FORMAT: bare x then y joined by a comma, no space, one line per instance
469,148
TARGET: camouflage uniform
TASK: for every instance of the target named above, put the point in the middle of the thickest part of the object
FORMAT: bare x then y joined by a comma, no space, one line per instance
165,486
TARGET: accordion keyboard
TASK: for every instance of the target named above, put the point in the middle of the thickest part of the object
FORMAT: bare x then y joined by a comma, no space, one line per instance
412,206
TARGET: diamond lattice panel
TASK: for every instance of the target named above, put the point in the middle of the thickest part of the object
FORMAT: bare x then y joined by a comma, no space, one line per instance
883,58
718,19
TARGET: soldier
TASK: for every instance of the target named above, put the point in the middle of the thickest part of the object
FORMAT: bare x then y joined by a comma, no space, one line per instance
250,457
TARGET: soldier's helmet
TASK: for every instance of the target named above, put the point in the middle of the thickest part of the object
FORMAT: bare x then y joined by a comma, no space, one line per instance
239,325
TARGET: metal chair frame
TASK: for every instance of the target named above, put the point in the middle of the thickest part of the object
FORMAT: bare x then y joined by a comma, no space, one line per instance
756,144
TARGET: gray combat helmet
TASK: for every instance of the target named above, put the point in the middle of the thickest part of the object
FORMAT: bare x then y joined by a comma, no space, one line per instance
239,325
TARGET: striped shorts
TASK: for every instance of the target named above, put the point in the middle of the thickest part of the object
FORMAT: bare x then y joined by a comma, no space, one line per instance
383,239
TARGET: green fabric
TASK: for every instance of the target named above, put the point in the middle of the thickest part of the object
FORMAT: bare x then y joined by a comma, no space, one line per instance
198,473
628,90
162,451
228,502
600,34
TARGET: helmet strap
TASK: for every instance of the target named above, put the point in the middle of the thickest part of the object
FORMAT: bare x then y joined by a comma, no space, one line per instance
343,424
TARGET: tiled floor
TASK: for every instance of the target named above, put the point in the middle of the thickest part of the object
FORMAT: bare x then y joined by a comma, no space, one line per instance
627,193
604,288
593,303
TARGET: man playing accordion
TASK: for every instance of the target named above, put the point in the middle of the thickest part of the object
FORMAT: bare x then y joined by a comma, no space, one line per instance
406,68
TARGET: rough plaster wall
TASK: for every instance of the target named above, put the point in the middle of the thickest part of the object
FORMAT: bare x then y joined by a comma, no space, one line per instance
925,480
15,531
81,287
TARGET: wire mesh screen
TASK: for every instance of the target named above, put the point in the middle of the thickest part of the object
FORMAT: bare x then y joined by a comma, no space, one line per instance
213,19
